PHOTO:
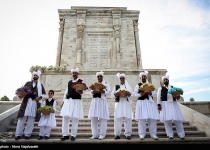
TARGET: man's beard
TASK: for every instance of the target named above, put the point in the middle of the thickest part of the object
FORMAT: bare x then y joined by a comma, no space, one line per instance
35,78
143,80
166,83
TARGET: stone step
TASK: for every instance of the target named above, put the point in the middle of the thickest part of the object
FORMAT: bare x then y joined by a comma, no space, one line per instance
82,129
50,143
109,123
111,120
86,136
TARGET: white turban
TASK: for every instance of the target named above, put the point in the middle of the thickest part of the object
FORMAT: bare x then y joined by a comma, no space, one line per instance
38,73
99,73
166,76
120,75
75,70
143,73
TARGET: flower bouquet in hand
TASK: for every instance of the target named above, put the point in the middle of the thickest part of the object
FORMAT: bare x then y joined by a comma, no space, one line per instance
79,86
46,110
122,92
97,86
147,87
22,92
175,91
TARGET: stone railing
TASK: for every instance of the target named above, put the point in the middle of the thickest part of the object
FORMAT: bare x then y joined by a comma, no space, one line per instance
202,106
202,122
7,117
6,105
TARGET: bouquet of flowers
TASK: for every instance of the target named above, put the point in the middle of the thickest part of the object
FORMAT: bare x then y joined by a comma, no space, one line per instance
175,91
97,86
46,110
123,92
22,92
79,86
147,87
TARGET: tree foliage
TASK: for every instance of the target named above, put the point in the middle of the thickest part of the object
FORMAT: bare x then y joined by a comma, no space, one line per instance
192,99
5,98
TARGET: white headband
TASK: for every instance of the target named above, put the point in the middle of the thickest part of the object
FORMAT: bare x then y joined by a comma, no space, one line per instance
38,73
99,73
120,75
143,73
75,70
166,76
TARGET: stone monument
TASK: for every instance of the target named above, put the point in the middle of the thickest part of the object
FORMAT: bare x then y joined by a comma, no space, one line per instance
98,39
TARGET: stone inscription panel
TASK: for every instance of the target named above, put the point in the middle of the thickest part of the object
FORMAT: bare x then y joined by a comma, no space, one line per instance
99,51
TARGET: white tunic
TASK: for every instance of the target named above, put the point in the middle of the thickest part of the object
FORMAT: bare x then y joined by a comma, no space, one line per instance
72,108
50,119
31,107
145,109
99,106
123,108
170,109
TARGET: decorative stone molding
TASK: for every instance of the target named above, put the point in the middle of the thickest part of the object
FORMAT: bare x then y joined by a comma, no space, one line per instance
117,31
80,29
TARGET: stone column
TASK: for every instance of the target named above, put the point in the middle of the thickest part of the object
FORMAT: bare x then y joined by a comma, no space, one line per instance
138,50
80,28
60,41
117,37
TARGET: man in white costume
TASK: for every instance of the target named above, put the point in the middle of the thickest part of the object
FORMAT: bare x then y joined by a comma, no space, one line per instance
99,110
72,107
146,109
29,106
169,110
123,108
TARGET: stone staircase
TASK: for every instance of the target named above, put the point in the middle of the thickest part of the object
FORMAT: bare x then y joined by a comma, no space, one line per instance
84,133
193,135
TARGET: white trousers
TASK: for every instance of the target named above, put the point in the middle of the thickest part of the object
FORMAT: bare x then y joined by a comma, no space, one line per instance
179,128
102,128
65,126
118,126
45,131
152,124
21,125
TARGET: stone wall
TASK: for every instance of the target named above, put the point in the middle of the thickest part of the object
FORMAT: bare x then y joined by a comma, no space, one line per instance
200,106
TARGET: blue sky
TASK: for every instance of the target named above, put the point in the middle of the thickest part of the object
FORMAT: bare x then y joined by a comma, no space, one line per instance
174,35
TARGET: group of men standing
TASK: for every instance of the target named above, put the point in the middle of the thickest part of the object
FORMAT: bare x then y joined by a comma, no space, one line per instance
166,110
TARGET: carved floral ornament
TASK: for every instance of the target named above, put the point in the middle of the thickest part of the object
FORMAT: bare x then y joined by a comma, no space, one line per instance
80,29
62,22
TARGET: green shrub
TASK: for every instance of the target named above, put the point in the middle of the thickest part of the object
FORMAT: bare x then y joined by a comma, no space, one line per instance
5,98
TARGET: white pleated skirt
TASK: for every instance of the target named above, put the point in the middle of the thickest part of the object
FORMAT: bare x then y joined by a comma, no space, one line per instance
146,109
31,108
99,108
171,111
72,108
48,120
123,108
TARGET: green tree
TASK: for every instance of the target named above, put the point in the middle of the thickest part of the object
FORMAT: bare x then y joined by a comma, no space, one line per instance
5,98
192,99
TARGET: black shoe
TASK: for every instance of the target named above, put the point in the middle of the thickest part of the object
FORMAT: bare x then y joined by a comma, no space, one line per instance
27,137
128,137
17,137
72,138
65,138
40,137
46,137
116,137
